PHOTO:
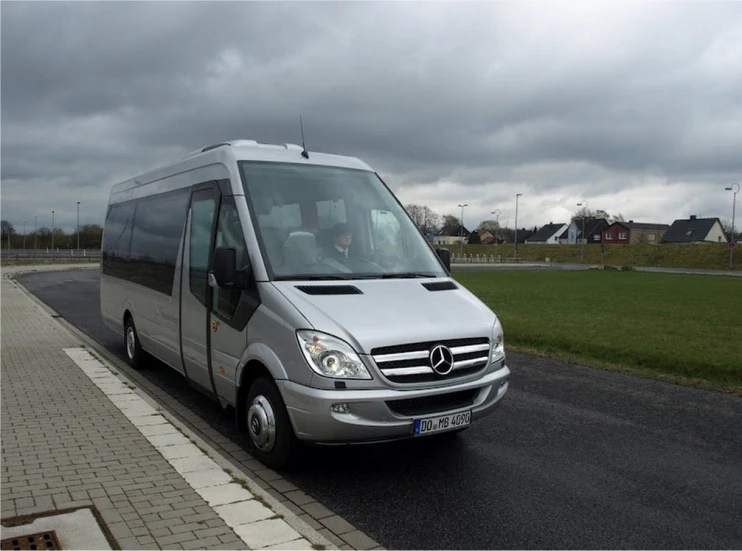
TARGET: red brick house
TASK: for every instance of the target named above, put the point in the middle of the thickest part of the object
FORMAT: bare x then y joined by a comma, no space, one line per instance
623,233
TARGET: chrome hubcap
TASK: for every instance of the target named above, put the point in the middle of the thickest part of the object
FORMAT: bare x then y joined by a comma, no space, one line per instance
261,423
131,340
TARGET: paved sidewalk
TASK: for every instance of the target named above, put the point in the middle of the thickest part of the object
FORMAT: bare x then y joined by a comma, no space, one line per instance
77,434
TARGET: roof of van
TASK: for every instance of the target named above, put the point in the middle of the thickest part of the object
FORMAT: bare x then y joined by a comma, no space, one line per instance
241,150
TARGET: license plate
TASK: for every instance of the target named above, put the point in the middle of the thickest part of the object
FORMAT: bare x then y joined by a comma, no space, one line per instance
442,423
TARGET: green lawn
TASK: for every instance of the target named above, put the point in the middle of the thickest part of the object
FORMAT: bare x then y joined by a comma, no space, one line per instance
686,328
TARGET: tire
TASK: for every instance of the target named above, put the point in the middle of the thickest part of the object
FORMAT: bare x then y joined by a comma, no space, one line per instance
134,352
271,436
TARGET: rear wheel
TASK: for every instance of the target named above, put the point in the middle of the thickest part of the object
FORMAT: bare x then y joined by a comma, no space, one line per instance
272,438
134,352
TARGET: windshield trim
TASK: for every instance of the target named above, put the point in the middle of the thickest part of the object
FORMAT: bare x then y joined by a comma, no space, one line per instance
272,276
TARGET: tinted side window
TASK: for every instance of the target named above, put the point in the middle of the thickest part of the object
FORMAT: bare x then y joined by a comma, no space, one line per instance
203,208
229,234
155,242
116,241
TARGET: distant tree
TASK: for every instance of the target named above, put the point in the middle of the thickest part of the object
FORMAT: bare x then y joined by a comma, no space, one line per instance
474,238
490,225
584,212
43,237
90,236
450,221
727,227
424,217
61,239
506,235
7,229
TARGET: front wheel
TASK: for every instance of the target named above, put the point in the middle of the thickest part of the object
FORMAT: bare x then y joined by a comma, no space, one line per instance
272,438
134,352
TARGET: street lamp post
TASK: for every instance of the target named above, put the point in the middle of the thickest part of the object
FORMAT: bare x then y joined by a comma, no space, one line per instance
461,230
515,235
52,232
496,212
35,231
582,248
78,225
735,189
24,235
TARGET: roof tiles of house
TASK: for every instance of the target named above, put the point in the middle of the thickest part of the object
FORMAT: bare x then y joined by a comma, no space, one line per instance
688,230
644,226
454,230
545,232
591,226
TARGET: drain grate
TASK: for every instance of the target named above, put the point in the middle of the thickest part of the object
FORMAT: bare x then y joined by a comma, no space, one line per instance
42,540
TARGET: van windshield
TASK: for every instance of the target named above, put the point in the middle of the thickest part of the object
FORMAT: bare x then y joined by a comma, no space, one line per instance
321,222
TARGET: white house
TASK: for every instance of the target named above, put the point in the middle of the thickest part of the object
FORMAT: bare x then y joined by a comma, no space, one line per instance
695,230
547,235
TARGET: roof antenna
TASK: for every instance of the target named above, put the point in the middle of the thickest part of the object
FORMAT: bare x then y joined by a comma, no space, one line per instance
304,152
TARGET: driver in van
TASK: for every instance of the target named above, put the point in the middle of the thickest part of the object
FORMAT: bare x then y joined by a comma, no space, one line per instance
342,239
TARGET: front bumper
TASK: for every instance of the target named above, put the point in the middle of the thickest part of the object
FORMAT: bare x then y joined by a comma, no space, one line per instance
370,418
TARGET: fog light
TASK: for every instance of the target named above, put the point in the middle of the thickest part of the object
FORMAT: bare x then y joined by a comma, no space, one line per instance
340,408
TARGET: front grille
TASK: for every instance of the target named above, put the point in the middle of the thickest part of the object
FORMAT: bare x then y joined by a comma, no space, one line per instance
433,404
432,376
401,348
410,363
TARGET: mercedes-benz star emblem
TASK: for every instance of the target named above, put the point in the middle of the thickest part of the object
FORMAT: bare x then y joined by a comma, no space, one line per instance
441,360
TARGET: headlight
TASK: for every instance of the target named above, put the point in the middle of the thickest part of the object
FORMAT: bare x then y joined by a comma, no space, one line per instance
498,343
330,356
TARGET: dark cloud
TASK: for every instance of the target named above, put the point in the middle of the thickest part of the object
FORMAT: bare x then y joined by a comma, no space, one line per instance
634,105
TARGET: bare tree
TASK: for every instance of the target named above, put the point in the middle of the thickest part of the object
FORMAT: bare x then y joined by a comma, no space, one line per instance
7,229
726,225
450,221
425,219
490,225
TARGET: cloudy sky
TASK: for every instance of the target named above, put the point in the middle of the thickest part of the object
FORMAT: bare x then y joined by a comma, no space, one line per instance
635,107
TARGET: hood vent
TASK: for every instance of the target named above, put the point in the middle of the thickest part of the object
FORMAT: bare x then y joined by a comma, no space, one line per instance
329,289
440,286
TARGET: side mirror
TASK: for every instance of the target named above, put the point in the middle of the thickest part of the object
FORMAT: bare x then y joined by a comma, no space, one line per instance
225,267
445,256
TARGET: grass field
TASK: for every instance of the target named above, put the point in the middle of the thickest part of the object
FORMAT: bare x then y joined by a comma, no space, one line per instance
685,328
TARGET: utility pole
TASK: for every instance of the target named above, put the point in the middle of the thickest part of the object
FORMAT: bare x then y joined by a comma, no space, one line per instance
582,248
78,225
52,232
35,230
461,229
24,235
515,235
735,189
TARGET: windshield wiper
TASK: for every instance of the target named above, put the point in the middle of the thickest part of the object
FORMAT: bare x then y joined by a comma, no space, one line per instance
407,275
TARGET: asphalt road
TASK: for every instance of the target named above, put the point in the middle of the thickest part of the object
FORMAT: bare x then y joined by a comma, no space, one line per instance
573,458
